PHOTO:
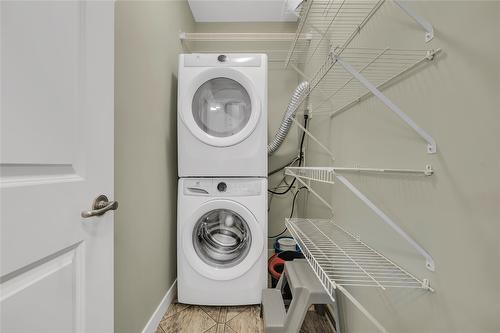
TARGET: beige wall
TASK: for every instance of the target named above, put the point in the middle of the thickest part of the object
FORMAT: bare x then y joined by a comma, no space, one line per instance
455,214
147,48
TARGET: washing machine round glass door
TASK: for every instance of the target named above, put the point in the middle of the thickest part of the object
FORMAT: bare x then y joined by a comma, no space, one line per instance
224,109
222,240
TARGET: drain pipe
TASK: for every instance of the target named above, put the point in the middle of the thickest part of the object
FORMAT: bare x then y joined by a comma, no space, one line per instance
287,120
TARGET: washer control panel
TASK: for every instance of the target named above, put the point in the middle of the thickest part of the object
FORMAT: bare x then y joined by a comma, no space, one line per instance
227,187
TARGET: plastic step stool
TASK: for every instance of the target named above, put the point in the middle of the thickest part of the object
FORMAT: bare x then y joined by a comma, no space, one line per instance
306,291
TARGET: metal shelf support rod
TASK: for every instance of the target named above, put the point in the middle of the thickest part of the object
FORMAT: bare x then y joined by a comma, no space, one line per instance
314,138
431,143
428,258
426,25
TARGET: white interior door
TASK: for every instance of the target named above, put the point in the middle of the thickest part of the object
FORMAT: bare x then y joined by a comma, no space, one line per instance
56,154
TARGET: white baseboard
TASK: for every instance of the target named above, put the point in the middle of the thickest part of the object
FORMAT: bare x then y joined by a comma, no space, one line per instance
161,309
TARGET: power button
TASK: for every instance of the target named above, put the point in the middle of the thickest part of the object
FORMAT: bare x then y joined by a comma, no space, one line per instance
222,187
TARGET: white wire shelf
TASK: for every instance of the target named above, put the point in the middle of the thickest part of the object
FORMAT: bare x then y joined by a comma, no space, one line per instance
327,174
275,44
331,23
341,76
378,66
330,174
351,75
339,258
336,24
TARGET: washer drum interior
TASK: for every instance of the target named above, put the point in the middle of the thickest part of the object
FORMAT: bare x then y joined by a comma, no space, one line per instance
222,238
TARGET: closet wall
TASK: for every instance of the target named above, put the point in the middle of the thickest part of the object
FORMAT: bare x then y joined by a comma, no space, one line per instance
455,213
146,57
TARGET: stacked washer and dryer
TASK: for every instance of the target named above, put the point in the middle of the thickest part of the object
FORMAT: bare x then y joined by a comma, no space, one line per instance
222,192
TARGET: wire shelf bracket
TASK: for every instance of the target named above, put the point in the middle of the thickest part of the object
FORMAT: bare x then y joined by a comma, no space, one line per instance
329,174
339,259
426,25
431,143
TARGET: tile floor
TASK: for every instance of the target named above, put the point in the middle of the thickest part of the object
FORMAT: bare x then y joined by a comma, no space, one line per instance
182,318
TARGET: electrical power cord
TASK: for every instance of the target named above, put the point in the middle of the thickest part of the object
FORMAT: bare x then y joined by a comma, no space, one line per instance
291,213
284,166
293,201
281,185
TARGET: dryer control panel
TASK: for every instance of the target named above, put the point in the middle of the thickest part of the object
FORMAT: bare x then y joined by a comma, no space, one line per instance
222,60
223,187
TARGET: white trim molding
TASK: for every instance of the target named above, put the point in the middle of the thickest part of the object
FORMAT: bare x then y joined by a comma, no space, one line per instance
155,319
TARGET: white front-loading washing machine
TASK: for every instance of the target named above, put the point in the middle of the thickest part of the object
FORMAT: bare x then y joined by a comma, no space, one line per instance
222,115
221,240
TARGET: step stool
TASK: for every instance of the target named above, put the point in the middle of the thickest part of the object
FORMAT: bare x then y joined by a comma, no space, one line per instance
306,290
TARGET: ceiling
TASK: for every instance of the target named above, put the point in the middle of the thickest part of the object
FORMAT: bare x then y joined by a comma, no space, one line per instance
244,10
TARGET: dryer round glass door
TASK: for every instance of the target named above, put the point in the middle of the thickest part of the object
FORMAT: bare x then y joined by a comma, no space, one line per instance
222,238
221,107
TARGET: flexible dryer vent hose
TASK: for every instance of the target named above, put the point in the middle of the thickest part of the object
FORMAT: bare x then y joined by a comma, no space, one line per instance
286,123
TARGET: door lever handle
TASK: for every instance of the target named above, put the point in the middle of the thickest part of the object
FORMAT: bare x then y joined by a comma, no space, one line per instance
101,205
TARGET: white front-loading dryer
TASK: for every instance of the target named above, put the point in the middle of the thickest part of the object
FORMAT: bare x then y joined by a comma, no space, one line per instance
221,240
222,115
